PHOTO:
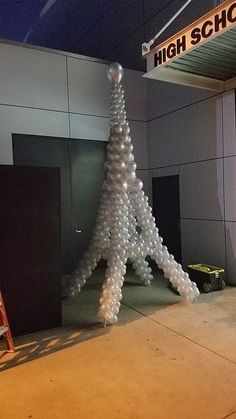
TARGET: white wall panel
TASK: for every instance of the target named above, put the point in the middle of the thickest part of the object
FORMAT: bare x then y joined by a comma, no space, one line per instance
28,121
88,87
231,252
201,190
89,127
229,123
230,187
203,242
190,134
138,131
165,97
97,128
166,171
135,95
32,78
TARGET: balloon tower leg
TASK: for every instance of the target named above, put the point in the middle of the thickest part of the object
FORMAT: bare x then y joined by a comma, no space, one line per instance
116,263
143,270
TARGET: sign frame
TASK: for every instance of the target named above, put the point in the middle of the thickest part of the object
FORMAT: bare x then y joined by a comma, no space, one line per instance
214,23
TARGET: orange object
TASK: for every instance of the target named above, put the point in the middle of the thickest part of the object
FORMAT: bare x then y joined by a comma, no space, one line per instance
4,327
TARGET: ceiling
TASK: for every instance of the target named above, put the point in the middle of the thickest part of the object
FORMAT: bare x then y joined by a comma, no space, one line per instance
113,30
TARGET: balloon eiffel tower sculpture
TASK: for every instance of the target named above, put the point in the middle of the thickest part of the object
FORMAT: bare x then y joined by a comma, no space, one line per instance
125,228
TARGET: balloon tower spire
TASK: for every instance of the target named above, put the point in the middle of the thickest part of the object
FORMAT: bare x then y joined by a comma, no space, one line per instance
125,228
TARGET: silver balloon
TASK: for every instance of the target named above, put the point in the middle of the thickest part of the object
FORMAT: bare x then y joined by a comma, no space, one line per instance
115,73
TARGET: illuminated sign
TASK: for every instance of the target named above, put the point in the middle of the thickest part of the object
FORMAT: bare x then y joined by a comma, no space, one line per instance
205,28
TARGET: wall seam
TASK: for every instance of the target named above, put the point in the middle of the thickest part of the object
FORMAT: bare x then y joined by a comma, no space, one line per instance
148,148
55,52
65,112
191,162
184,107
224,203
203,219
70,164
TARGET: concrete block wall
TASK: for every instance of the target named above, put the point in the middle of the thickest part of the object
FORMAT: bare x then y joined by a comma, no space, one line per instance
191,133
44,92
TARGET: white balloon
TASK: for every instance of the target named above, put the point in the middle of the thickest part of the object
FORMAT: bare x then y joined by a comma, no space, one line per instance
115,73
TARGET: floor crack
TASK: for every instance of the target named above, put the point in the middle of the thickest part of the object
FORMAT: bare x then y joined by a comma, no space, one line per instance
230,414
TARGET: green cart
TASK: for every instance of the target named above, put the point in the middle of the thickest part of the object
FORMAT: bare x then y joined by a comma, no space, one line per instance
207,277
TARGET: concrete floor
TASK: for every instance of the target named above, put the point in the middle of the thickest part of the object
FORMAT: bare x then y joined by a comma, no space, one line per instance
165,359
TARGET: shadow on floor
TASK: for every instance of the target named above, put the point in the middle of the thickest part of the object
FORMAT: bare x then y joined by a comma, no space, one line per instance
40,344
80,322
